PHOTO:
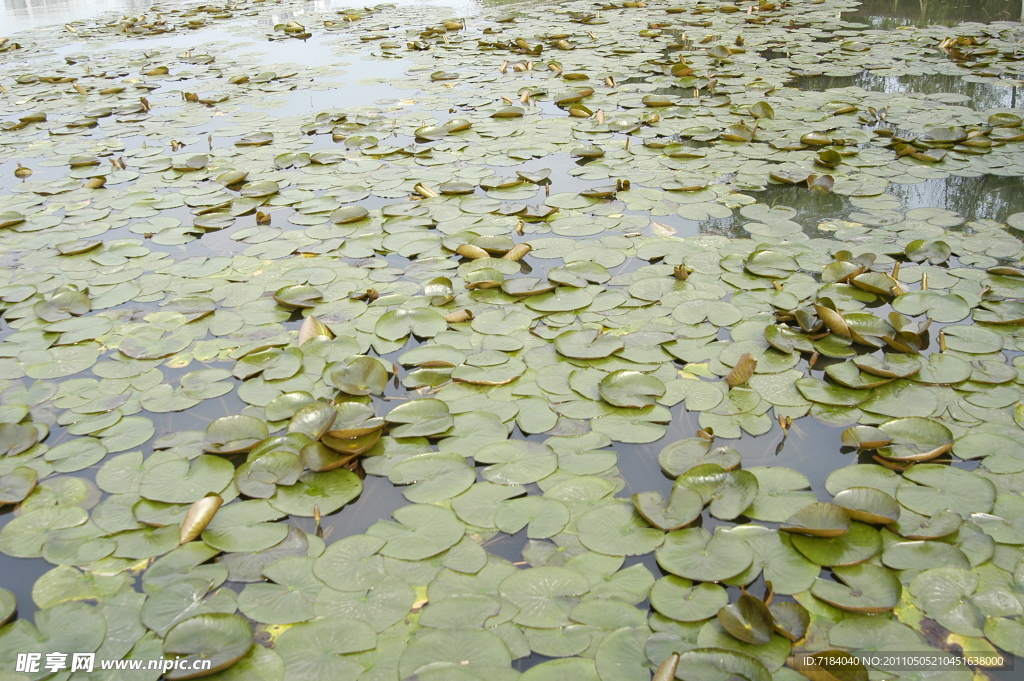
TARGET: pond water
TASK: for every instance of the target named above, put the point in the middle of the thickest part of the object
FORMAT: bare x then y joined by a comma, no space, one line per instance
769,256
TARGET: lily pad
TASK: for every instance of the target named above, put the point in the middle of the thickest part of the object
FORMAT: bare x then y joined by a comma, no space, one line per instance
221,638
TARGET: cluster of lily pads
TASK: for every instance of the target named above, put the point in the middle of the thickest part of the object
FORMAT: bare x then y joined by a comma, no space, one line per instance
478,291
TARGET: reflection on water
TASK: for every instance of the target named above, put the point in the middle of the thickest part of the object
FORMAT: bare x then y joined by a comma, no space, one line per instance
23,15
979,95
890,14
975,198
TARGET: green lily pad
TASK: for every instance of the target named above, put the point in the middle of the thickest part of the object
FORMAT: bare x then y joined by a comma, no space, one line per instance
420,417
359,376
920,555
421,322
944,594
940,487
327,492
434,477
683,507
616,529
818,520
695,554
682,600
219,637
322,648
245,526
865,588
791,619
715,664
516,462
234,434
859,544
587,344
418,531
8,604
682,455
748,619
776,559
729,493
541,516
868,505
178,481
17,485
544,595
288,599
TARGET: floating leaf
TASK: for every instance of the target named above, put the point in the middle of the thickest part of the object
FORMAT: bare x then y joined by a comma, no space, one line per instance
616,529
819,520
199,515
729,493
632,389
221,638
748,619
865,588
695,554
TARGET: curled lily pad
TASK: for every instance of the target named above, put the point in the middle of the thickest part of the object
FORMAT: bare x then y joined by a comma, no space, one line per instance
299,296
625,388
348,214
198,517
915,439
748,619
221,638
234,434
729,493
359,376
354,420
868,505
312,420
791,619
683,507
682,455
285,405
865,437
819,520
260,475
